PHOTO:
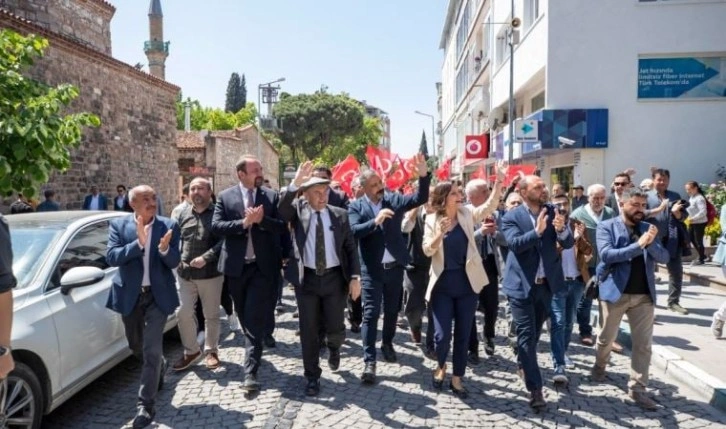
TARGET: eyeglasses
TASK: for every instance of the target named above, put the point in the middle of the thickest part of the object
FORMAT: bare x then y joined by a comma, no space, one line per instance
620,183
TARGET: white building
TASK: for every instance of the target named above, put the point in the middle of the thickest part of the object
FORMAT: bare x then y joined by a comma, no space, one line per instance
611,84
375,112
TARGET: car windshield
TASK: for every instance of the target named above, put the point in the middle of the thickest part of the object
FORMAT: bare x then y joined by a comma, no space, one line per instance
30,250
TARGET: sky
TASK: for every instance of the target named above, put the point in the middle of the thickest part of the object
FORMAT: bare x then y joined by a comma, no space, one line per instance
382,51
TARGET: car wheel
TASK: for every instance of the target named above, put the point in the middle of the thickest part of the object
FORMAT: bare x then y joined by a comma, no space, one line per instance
21,400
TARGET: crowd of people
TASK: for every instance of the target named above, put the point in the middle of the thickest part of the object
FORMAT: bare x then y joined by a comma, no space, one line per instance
438,253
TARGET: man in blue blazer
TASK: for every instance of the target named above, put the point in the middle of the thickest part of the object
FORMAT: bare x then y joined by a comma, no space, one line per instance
533,273
95,200
251,258
376,223
629,249
145,247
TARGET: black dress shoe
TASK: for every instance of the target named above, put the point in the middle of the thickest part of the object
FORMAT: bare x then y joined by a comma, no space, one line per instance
162,373
473,359
323,349
438,384
251,384
537,399
144,417
354,328
489,347
369,373
389,355
461,393
270,342
334,359
313,387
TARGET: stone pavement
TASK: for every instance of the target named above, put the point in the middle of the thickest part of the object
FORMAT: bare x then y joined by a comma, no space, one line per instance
402,398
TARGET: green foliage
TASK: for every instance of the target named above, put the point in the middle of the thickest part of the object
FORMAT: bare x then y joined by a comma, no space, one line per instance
236,94
243,91
207,118
312,123
716,193
35,136
355,144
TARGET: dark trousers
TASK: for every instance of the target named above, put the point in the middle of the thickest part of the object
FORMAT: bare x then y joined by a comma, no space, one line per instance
252,293
145,333
374,292
488,303
276,295
453,301
584,308
696,231
226,298
529,314
415,281
675,278
321,298
355,310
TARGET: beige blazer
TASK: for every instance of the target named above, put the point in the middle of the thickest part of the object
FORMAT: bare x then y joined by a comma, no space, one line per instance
467,218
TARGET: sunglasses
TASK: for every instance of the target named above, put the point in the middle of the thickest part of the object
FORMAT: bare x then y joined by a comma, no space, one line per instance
620,183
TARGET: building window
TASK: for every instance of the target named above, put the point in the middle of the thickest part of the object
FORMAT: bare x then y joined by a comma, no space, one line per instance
462,32
486,39
538,102
531,13
502,47
462,80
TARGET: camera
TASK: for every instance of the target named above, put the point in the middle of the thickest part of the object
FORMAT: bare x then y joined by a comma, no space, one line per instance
685,204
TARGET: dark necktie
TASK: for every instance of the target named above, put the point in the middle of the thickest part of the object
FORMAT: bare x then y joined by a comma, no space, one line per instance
320,263
250,254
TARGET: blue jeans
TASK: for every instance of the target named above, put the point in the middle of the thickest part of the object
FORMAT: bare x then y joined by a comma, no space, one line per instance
373,292
584,308
529,314
564,311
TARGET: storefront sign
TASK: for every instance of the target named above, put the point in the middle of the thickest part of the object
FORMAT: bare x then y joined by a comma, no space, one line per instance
685,77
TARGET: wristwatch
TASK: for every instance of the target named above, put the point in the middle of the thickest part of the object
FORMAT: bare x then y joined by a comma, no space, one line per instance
355,277
4,351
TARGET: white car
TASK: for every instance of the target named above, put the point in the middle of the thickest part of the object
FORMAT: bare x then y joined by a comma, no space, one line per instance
63,335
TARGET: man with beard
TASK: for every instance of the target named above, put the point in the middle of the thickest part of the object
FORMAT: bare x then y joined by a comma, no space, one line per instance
376,223
251,257
533,273
629,249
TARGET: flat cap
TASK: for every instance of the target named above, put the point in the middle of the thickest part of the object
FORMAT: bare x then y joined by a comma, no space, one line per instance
313,181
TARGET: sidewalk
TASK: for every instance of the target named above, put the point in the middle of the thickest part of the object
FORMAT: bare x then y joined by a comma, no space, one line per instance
683,346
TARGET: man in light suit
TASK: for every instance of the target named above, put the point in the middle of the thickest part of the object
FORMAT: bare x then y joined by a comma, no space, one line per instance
145,247
329,268
629,249
533,273
251,257
95,200
376,222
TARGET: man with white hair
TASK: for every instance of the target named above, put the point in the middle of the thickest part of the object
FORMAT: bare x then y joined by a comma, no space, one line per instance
591,214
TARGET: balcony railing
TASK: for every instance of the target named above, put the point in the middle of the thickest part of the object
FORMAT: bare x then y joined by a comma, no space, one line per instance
156,45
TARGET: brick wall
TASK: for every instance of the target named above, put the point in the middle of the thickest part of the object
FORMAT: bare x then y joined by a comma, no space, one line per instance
227,151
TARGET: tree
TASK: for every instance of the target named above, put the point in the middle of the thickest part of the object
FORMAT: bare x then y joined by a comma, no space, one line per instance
314,122
207,118
36,135
423,148
234,97
243,91
369,134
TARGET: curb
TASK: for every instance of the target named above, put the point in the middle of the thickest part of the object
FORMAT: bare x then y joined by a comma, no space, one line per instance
707,387
699,279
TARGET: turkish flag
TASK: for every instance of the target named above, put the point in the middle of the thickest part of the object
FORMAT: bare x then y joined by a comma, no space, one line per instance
444,170
480,173
344,173
408,164
476,147
399,177
527,169
380,160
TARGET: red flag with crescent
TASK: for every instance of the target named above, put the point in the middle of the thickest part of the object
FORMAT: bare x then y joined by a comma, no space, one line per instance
480,173
398,177
380,160
444,170
344,173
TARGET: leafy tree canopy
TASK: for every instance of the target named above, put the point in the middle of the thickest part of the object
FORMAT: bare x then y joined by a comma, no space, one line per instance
35,134
233,100
208,118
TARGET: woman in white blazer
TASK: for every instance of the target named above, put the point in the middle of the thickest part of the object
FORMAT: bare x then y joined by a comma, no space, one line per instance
457,273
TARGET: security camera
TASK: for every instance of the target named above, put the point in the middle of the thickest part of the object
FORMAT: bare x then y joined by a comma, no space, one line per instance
565,142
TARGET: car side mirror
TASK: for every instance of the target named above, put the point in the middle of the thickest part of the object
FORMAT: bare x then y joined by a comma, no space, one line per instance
80,277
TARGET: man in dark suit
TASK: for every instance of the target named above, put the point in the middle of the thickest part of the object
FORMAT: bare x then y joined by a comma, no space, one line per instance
376,222
329,265
251,258
621,182
335,198
533,273
95,200
145,247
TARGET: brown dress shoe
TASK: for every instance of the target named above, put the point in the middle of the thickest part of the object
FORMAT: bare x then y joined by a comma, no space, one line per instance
186,361
597,373
642,399
416,336
212,360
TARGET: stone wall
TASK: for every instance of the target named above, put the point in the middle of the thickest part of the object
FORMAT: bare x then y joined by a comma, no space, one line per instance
136,141
88,22
228,149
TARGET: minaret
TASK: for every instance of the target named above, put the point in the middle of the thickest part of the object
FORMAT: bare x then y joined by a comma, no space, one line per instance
156,49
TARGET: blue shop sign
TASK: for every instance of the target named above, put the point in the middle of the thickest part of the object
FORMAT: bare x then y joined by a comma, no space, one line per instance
684,77
570,129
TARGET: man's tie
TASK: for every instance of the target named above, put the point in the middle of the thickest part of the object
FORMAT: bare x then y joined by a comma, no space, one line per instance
320,262
250,248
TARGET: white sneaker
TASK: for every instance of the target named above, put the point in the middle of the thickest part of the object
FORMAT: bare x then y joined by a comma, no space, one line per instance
200,339
233,322
717,327
569,364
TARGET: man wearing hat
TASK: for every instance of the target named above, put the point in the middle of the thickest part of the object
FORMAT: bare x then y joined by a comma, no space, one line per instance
329,268
578,200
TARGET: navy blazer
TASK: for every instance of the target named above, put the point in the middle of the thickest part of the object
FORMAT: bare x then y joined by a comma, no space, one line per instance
266,239
373,239
102,202
123,251
338,199
525,250
616,250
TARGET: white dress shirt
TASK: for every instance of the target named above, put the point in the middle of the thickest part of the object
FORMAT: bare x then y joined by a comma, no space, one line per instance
249,203
94,203
569,264
331,258
146,278
387,257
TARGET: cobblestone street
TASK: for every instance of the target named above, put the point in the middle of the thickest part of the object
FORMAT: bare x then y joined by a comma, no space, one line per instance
403,396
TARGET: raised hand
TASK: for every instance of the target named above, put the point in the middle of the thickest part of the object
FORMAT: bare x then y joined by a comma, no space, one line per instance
502,169
420,167
541,222
579,230
304,173
518,177
383,215
142,232
559,221
164,242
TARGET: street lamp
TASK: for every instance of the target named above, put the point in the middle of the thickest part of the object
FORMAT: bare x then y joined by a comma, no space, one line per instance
433,137
270,92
